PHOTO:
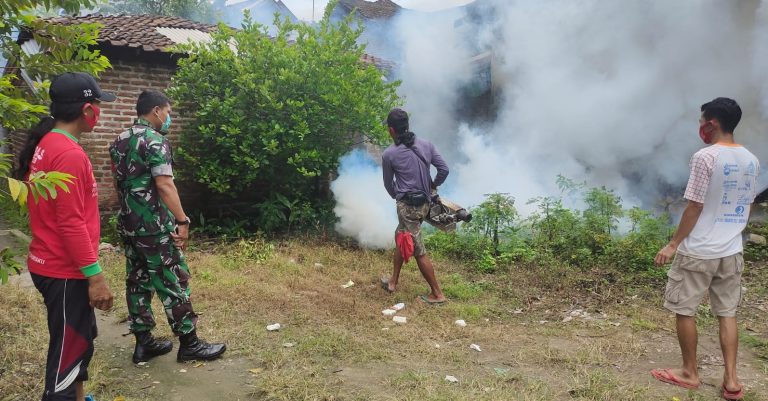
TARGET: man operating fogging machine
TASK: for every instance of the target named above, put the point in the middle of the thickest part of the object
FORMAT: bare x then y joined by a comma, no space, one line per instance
406,168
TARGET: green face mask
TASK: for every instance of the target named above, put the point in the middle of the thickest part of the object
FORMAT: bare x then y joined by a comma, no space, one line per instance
166,123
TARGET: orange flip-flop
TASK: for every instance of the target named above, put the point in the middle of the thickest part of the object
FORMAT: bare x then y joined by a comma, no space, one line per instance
666,376
733,395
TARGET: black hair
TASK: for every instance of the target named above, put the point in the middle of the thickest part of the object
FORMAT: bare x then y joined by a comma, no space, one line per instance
66,112
149,99
726,111
398,120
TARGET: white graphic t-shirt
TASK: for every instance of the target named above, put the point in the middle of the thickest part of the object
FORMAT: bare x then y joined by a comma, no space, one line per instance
723,178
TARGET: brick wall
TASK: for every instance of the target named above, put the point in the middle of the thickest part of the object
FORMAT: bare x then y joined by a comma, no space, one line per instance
126,80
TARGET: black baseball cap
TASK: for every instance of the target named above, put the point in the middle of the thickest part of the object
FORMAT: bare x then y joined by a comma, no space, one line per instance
76,87
397,118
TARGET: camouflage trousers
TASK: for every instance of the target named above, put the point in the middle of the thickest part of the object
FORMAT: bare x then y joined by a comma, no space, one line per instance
409,219
155,264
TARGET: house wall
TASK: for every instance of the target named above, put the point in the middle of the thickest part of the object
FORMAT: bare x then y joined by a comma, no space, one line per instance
126,80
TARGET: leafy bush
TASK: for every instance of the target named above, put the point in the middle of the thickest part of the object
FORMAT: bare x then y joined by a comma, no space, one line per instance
459,245
556,230
554,234
494,218
273,115
223,227
254,250
636,250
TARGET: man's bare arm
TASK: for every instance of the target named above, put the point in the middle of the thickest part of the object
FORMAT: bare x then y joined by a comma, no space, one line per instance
687,223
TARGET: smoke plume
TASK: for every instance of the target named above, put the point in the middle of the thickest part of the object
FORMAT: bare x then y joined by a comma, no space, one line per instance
597,90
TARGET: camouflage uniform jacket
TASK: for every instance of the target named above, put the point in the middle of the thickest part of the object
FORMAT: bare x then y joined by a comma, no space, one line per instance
138,155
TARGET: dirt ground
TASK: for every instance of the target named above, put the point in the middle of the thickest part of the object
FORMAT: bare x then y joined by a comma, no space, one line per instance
164,378
543,335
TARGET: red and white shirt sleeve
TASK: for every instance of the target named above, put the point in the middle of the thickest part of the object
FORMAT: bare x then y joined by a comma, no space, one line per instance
702,164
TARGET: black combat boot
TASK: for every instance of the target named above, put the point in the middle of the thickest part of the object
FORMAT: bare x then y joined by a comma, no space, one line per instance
147,347
194,349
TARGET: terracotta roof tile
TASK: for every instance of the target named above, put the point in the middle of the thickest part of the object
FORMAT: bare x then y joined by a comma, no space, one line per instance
378,62
135,30
138,31
371,9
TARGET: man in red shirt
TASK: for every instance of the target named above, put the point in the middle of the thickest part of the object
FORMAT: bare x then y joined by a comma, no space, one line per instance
63,255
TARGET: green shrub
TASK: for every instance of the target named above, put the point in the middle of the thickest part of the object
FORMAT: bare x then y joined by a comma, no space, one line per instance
636,250
554,233
459,245
271,116
494,219
254,250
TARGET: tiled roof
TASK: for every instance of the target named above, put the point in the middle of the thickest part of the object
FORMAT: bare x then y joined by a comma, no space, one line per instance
141,31
378,62
154,33
371,9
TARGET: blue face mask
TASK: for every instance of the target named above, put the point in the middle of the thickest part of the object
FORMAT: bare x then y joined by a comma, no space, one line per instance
166,124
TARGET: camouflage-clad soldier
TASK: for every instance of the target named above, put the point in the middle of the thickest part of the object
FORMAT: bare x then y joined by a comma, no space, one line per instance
155,230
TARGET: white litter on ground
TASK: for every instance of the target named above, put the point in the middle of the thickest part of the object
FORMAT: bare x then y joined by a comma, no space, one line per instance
349,283
475,347
400,319
460,323
388,312
274,327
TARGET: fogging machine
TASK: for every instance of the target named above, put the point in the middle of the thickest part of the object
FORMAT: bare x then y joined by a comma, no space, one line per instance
444,214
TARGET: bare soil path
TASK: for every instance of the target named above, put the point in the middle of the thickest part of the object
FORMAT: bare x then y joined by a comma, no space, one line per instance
165,379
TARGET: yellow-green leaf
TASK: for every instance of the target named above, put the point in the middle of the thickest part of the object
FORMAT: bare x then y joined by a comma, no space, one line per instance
49,186
33,190
23,194
15,187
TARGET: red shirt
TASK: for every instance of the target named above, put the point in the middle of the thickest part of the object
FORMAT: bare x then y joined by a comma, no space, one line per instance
65,230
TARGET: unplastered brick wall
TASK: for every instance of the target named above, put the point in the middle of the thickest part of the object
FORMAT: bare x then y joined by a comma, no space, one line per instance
126,80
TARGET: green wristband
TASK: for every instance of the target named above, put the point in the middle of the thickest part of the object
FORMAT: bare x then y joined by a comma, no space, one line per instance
91,270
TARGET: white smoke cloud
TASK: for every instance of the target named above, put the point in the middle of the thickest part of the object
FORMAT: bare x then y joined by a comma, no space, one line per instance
361,202
597,90
303,8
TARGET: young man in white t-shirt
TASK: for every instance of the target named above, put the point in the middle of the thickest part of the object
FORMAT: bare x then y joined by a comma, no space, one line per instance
708,244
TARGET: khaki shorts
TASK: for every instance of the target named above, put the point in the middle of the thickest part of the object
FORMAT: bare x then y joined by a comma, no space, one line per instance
690,279
409,219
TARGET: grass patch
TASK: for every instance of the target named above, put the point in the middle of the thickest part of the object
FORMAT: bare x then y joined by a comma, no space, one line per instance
466,311
644,325
342,348
758,345
456,287
598,385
